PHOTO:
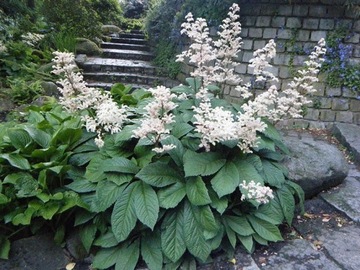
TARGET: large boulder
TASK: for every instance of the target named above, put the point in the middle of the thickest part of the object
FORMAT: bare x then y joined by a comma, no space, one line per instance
110,29
315,164
86,46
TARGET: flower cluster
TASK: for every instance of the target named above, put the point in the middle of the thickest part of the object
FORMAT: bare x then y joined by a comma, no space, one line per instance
155,124
3,48
256,191
32,39
104,115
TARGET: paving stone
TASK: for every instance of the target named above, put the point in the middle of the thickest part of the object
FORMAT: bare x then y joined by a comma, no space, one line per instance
296,254
349,136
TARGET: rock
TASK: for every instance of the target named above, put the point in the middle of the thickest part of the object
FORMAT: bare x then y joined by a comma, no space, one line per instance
38,252
50,89
80,59
135,8
349,136
75,246
86,46
110,29
314,164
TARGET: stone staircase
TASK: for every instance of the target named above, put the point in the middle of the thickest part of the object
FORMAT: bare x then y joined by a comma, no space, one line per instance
125,58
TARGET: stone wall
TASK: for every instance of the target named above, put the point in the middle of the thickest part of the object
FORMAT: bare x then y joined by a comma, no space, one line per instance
298,26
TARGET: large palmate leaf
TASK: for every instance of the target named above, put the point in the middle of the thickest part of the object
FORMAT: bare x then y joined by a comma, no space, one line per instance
146,204
193,232
171,196
106,194
202,164
123,217
196,191
159,174
172,235
265,229
151,251
226,180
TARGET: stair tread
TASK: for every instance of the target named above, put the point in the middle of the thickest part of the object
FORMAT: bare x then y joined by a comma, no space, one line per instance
119,44
108,85
127,51
117,62
122,74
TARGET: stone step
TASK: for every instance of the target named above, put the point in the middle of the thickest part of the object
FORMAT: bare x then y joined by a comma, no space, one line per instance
127,54
349,136
127,78
132,35
139,41
94,64
124,46
107,86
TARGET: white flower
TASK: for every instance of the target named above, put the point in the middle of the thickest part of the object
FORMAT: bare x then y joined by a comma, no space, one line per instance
164,148
32,39
3,48
255,191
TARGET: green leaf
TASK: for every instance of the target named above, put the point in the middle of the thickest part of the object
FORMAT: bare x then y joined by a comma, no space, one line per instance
146,204
239,225
40,137
87,236
260,240
206,218
181,130
220,204
178,152
196,191
299,193
25,185
82,186
123,217
128,256
49,210
119,164
195,83
19,138
271,212
287,203
94,171
17,161
226,180
106,194
172,235
202,164
171,196
264,143
4,248
159,174
230,234
106,257
106,240
265,229
151,251
247,242
273,175
247,171
24,218
194,237
4,199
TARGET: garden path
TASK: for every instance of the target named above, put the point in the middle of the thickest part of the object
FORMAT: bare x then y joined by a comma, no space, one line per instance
125,58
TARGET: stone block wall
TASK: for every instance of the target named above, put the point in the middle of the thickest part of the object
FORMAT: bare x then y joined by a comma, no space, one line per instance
297,27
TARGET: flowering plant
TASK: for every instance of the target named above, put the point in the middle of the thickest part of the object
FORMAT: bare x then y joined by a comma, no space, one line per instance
186,172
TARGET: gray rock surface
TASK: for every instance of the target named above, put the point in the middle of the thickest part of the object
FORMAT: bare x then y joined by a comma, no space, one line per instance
110,29
88,47
314,164
349,136
346,197
35,253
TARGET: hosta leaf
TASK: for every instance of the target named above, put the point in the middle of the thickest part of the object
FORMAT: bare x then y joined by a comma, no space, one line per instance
239,225
106,257
194,237
4,248
87,236
25,184
273,175
19,138
146,204
3,199
128,255
151,251
205,163
159,174
123,217
226,180
196,191
265,229
171,196
24,218
17,161
119,164
106,194
106,240
247,171
172,235
49,210
247,242
287,203
67,136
